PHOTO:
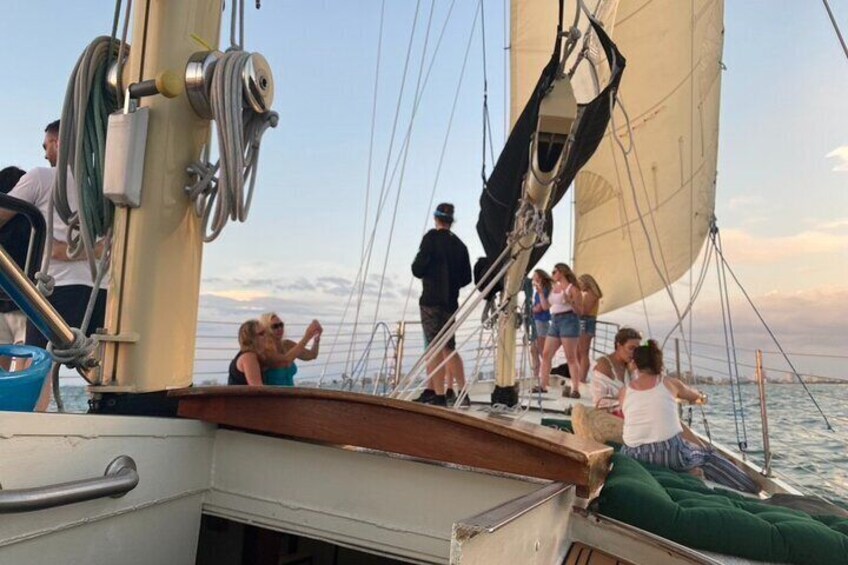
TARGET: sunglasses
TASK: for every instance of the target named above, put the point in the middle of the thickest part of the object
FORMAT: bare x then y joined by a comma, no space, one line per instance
277,326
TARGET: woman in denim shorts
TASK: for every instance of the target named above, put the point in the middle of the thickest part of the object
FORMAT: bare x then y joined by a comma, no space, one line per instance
565,301
541,315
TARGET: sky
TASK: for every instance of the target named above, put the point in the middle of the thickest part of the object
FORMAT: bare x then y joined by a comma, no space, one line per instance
781,201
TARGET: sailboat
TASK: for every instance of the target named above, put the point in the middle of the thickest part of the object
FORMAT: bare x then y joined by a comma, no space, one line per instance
256,474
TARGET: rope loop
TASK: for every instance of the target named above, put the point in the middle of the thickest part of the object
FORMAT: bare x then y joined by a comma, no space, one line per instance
44,283
79,354
219,199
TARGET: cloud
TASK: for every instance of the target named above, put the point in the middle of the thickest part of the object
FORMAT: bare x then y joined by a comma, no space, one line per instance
741,246
810,326
743,202
837,224
841,156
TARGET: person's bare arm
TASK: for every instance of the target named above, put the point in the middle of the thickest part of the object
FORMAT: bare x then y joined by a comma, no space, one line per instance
684,392
248,364
604,367
5,216
293,350
311,353
575,298
589,302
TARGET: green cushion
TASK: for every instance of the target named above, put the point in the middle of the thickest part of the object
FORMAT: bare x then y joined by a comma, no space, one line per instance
558,423
679,507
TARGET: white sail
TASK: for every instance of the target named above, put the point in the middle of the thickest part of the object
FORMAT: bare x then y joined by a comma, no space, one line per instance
533,25
637,232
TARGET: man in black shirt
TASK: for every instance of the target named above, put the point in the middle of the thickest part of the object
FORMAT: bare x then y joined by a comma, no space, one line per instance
14,237
443,266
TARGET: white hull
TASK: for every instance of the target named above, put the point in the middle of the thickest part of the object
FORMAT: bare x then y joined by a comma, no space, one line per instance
393,506
157,522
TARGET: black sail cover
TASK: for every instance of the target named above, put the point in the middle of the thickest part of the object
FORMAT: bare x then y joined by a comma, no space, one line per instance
502,192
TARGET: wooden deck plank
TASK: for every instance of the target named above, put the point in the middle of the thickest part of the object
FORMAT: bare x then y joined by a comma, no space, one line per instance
464,437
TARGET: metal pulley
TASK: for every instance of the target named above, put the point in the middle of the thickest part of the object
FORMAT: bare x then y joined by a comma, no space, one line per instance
257,82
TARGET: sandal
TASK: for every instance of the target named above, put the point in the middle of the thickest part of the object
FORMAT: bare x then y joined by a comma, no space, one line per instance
575,394
538,389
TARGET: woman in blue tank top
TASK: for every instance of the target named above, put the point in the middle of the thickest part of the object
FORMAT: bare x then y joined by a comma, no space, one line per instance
541,315
280,366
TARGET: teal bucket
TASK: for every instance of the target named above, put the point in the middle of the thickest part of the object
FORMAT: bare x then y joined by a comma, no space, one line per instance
19,390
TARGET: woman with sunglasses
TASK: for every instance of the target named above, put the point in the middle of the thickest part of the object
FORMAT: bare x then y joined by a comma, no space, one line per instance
246,367
565,301
280,360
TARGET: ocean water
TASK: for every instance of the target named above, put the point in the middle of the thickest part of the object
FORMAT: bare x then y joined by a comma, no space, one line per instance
804,451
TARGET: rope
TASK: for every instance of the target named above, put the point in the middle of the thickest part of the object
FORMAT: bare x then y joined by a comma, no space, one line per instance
774,339
443,151
464,310
730,347
625,153
365,261
77,354
240,131
836,27
365,246
407,145
82,145
365,266
487,125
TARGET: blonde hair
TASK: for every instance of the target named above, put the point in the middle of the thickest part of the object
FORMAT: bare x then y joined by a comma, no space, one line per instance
588,282
248,335
265,319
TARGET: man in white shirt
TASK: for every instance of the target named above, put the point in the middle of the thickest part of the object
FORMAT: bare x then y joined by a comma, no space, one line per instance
14,237
72,278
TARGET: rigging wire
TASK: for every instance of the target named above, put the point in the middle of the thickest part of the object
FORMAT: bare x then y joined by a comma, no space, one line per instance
365,266
836,27
383,197
407,144
367,193
443,151
774,339
487,125
639,212
730,348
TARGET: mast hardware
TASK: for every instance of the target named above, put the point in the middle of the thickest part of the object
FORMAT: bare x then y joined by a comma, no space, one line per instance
257,82
126,139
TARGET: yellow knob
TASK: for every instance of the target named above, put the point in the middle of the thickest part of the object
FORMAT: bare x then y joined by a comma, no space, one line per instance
169,84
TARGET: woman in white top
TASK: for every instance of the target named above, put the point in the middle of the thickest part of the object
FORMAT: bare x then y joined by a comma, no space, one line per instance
564,303
652,429
612,372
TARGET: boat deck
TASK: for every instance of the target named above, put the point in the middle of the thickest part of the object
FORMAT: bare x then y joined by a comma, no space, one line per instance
473,437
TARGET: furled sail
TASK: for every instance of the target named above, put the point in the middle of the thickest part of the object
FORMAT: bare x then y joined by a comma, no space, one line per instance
538,56
643,212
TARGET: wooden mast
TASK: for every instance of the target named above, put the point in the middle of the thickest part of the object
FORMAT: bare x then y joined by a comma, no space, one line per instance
154,293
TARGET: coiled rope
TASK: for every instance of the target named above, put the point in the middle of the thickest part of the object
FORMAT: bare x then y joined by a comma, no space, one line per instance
82,146
239,130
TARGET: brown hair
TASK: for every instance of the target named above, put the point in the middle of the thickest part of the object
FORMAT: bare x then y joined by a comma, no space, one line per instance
566,271
546,278
649,357
248,335
625,334
588,282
